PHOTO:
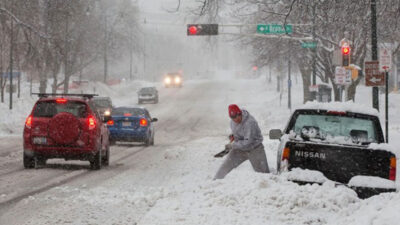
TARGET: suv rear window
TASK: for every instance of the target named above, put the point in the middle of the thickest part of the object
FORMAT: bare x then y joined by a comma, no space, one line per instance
132,111
51,108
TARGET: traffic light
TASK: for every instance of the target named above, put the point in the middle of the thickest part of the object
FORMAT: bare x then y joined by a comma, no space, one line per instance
202,29
345,55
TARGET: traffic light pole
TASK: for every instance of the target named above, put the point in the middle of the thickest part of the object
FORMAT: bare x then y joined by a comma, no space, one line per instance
374,40
314,50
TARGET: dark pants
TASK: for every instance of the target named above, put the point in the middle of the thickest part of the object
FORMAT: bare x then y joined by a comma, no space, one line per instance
234,158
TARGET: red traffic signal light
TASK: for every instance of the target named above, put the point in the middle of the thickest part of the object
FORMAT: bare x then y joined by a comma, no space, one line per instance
202,29
345,50
192,30
345,55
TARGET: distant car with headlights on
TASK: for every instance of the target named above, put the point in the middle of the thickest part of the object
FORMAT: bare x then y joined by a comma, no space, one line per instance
173,80
131,124
148,94
103,105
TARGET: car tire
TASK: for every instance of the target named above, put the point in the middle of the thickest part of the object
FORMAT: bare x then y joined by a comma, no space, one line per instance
29,161
147,142
95,163
41,161
156,100
106,158
152,141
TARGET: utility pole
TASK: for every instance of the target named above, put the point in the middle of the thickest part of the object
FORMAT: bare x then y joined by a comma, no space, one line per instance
374,43
11,61
105,46
66,66
130,53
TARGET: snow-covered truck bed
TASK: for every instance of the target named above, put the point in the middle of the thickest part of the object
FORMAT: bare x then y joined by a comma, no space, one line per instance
344,144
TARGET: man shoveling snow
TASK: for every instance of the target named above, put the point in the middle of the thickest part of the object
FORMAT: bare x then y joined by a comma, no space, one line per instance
246,144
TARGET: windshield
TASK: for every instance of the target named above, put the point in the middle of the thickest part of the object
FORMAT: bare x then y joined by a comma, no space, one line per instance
147,90
51,108
122,111
102,103
331,126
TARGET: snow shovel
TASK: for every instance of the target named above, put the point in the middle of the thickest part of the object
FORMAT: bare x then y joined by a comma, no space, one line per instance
225,151
222,153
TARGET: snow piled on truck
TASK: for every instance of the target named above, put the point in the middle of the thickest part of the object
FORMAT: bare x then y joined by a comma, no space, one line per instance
341,107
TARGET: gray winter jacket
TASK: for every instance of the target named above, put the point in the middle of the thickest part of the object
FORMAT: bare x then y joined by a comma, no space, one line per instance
247,134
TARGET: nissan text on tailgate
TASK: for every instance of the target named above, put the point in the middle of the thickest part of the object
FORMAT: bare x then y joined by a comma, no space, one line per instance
68,127
342,142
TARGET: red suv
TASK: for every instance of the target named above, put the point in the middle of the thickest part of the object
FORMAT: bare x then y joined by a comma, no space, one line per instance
66,126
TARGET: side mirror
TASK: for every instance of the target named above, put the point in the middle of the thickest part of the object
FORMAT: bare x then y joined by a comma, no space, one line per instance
275,134
154,120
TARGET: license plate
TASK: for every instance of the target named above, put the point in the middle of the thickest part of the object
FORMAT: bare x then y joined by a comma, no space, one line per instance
40,140
126,124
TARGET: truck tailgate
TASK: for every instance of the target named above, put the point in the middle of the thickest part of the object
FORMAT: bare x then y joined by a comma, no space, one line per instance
339,163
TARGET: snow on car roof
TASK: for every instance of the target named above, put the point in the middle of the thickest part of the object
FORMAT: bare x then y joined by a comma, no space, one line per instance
341,107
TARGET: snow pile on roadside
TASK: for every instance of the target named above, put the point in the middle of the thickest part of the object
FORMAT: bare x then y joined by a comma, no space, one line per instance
245,197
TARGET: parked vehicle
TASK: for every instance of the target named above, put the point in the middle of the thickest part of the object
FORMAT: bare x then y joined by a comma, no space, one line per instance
131,124
66,126
343,141
148,94
103,105
173,80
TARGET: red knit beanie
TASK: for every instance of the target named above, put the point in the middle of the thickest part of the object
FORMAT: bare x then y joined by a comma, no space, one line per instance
234,111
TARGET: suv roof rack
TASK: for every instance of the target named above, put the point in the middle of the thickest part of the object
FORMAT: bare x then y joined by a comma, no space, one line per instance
44,95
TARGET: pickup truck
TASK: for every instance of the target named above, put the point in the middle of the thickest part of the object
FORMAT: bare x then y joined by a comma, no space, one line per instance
343,142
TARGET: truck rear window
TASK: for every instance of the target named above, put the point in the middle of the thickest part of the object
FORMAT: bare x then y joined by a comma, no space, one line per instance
51,108
322,126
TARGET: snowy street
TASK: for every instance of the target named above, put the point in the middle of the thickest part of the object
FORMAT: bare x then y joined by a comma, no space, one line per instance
171,182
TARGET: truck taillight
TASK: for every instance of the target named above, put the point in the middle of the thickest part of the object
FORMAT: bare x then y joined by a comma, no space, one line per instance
286,154
392,171
91,122
28,122
110,123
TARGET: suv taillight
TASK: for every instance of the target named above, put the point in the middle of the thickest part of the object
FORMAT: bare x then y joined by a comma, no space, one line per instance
91,120
28,122
392,171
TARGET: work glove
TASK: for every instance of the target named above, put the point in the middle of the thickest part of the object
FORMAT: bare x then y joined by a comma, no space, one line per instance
228,146
231,138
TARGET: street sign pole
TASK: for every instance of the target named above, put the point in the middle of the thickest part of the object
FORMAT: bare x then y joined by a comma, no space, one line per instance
289,79
387,107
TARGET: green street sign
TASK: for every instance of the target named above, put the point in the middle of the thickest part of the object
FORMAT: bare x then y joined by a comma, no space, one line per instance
274,29
309,44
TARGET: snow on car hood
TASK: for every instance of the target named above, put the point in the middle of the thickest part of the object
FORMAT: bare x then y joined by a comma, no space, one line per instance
341,107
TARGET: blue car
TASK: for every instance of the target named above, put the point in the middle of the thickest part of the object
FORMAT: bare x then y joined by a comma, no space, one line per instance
131,124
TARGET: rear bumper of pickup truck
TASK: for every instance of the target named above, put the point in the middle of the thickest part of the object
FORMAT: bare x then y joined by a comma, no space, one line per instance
362,192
